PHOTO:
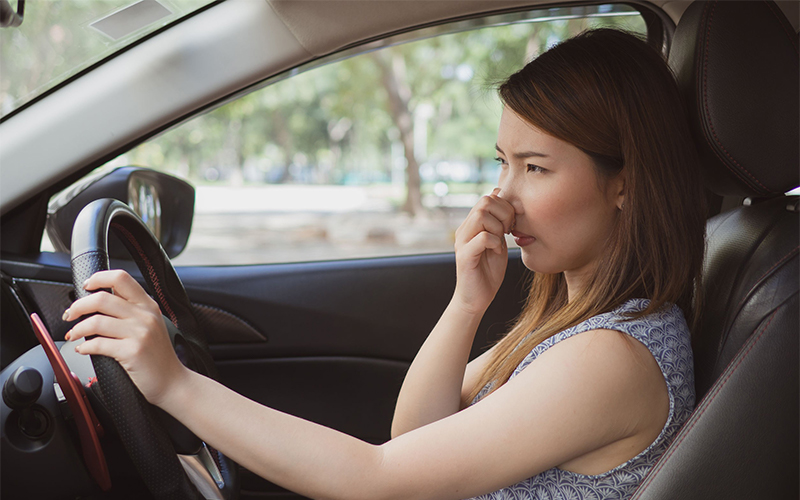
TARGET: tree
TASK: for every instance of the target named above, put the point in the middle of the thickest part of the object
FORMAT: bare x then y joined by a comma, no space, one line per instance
393,77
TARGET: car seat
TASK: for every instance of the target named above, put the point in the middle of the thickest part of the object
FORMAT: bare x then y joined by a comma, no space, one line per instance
737,67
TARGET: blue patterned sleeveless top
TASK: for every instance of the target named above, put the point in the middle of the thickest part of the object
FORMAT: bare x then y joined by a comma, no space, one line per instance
666,335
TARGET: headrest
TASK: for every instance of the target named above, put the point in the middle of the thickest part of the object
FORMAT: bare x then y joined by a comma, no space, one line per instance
737,68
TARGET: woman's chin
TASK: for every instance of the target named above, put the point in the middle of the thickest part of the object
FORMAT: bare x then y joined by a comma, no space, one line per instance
534,264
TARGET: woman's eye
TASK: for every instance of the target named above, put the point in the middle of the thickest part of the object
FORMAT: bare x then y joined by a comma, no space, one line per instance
500,161
535,168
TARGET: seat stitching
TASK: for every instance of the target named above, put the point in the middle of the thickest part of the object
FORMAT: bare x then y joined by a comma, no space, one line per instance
734,284
708,114
701,70
777,264
737,310
705,404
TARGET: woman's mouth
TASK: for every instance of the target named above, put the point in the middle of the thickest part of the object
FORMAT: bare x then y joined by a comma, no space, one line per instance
522,239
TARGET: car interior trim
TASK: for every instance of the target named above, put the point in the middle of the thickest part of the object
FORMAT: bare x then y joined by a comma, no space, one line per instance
51,298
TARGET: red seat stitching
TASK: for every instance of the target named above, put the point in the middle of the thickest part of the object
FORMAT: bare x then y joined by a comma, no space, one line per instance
708,114
777,264
701,62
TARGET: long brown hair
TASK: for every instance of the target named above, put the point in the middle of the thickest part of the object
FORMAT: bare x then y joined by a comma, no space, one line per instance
614,97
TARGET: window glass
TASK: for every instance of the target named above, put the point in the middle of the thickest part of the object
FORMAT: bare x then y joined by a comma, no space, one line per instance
382,153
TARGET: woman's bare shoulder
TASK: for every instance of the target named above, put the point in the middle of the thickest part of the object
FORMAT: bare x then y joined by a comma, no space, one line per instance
620,380
610,360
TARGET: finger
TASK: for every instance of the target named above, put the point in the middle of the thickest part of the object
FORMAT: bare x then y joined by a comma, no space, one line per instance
478,221
493,242
500,208
98,324
120,282
100,346
484,241
101,302
487,208
500,195
507,214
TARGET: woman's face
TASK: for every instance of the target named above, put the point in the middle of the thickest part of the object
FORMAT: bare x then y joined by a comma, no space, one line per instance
564,211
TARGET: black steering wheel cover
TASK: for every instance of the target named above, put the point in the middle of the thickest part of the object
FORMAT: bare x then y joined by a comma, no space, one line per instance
140,429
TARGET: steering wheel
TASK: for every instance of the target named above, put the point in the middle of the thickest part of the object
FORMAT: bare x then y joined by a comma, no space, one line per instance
147,433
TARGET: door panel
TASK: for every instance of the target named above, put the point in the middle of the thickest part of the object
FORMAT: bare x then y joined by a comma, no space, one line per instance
381,308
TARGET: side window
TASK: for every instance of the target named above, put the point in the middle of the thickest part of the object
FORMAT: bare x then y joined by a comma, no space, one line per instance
382,153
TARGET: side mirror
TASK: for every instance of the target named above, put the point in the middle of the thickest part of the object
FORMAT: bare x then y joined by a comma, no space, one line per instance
8,17
165,204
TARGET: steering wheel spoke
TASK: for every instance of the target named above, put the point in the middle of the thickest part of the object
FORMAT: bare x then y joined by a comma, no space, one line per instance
204,472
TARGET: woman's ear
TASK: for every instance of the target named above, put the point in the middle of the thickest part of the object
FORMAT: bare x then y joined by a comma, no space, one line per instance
618,190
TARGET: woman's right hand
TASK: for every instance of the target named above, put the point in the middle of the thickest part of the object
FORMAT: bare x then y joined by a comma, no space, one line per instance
127,325
481,252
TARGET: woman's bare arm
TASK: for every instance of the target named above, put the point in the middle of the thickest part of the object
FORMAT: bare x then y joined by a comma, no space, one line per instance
432,388
473,374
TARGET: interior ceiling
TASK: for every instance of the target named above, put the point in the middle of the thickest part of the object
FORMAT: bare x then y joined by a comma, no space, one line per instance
318,24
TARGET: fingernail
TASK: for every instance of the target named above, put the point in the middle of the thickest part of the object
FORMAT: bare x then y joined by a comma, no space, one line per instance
85,283
496,190
65,317
66,337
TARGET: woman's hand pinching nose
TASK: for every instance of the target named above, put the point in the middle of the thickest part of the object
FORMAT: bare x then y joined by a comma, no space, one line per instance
497,193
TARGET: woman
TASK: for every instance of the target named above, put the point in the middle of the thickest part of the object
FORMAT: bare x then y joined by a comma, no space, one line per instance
599,189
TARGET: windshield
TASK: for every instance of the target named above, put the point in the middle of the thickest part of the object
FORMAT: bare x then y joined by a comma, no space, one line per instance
58,39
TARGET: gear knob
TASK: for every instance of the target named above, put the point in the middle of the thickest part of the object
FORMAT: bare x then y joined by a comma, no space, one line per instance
23,388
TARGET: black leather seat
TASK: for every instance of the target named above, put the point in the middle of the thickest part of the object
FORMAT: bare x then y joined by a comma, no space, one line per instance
737,64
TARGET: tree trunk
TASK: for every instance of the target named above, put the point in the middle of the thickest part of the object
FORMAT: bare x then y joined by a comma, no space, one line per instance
285,142
393,77
232,152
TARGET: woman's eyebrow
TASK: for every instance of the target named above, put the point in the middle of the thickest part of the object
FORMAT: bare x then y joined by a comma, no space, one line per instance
523,154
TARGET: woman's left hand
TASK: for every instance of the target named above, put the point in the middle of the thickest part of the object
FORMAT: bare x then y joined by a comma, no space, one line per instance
129,327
